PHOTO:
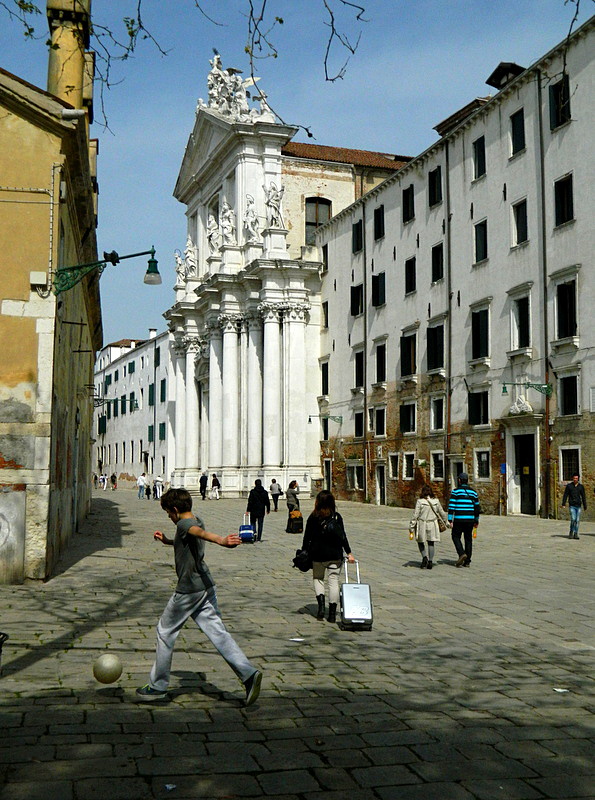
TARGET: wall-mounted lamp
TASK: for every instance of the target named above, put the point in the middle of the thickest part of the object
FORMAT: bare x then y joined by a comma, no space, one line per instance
67,277
324,416
544,388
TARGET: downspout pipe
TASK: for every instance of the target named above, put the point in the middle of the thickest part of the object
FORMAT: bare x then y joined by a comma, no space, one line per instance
365,303
449,292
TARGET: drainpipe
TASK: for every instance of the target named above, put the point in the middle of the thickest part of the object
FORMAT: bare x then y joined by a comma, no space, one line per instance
447,237
365,302
544,313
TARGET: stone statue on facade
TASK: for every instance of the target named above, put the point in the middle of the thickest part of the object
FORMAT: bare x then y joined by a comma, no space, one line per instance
190,260
180,268
251,224
520,406
228,224
273,200
213,234
228,95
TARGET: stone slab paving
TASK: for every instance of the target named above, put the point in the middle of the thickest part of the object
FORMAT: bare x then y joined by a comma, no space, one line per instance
451,696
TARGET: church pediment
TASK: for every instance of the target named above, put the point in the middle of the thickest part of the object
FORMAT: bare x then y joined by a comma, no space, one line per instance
205,143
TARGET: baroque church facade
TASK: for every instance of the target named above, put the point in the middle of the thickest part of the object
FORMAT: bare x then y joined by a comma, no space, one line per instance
245,324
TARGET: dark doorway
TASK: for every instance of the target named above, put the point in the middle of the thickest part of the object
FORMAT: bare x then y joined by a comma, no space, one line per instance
328,475
524,470
381,484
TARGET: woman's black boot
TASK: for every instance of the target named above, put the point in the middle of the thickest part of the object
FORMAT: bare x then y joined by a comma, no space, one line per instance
320,614
332,612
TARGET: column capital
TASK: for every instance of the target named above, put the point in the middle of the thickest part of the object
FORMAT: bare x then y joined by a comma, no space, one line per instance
296,311
179,346
270,312
230,322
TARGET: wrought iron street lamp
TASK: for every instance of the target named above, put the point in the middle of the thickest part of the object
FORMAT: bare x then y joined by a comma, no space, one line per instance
544,388
325,416
67,277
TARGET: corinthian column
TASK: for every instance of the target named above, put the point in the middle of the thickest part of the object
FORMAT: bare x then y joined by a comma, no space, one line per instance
230,391
254,390
272,420
180,409
191,416
295,318
215,398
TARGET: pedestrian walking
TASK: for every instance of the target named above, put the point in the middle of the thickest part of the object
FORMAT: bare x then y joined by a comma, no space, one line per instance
325,540
193,598
113,481
141,483
258,505
463,513
148,489
291,498
276,492
158,485
425,524
215,486
203,483
574,493
104,476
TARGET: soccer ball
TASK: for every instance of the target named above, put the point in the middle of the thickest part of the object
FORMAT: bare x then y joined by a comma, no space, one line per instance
107,668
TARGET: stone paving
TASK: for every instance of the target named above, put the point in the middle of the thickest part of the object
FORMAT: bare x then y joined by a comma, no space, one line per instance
473,684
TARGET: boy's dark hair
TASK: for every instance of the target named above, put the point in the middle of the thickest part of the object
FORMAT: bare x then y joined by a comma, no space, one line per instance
258,482
179,499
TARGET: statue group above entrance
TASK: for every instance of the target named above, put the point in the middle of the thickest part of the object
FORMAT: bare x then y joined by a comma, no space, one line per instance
229,96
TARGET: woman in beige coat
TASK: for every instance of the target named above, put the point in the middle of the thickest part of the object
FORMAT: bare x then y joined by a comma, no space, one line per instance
425,524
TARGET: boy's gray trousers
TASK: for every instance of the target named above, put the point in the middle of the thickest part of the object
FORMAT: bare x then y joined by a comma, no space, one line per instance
198,606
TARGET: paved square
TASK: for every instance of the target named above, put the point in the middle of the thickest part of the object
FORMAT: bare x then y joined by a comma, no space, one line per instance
473,683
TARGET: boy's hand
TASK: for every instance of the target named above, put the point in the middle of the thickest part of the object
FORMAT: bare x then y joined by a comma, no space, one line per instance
232,540
161,537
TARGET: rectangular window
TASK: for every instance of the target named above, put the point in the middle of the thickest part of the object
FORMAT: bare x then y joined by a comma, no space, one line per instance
357,236
108,381
108,407
116,374
355,476
359,369
132,451
436,347
437,262
380,421
479,157
564,207
408,466
163,391
479,334
478,408
380,363
566,309
379,222
569,463
568,395
157,357
519,217
325,257
481,241
131,367
517,132
115,408
435,186
324,422
102,424
437,414
378,289
482,464
151,394
393,465
325,314
410,275
357,300
123,452
324,378
407,417
408,204
437,466
559,103
359,424
123,404
116,453
521,322
408,355
151,433
162,431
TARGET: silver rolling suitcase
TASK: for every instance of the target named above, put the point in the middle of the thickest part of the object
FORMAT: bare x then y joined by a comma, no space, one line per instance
356,603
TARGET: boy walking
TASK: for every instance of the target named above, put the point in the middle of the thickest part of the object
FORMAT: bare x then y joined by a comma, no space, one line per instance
463,513
574,493
194,597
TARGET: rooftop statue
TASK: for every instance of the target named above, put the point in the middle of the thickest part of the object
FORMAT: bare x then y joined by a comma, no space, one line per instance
229,96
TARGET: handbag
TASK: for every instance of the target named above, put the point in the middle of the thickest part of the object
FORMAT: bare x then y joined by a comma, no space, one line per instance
442,526
302,560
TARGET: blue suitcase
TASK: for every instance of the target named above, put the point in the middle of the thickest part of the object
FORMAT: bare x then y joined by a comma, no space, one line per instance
356,603
247,531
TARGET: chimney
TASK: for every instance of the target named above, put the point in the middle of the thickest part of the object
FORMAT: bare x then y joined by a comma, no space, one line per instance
152,333
69,24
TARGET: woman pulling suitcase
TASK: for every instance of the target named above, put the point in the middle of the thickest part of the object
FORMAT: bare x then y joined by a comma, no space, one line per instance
325,540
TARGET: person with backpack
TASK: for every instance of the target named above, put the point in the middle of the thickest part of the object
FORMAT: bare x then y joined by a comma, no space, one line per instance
463,513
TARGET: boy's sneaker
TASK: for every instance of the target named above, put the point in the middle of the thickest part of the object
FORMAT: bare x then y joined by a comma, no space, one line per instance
253,687
147,693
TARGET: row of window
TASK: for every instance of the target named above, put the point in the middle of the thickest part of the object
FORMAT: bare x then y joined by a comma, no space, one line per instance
124,453
130,403
130,368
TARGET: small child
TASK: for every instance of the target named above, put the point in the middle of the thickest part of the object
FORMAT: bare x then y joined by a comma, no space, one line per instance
194,597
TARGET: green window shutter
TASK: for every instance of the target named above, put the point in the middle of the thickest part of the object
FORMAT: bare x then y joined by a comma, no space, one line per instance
151,433
151,394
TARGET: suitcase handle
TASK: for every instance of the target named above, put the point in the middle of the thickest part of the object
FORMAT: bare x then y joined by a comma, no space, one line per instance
345,563
246,518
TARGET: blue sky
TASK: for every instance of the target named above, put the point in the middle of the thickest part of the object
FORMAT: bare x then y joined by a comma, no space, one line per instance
417,62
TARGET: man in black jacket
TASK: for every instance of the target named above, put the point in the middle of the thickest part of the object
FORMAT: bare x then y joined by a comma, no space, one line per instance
258,504
575,494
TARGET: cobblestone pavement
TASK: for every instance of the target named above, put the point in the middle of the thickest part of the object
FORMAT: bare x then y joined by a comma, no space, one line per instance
473,683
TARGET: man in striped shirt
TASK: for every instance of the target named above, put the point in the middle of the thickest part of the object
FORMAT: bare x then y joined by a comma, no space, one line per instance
463,513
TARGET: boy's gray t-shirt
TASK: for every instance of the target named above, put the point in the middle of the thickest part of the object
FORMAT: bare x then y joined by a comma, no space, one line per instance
193,574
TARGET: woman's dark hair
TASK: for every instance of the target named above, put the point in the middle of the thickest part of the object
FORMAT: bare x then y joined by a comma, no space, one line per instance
176,499
426,491
324,505
292,485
